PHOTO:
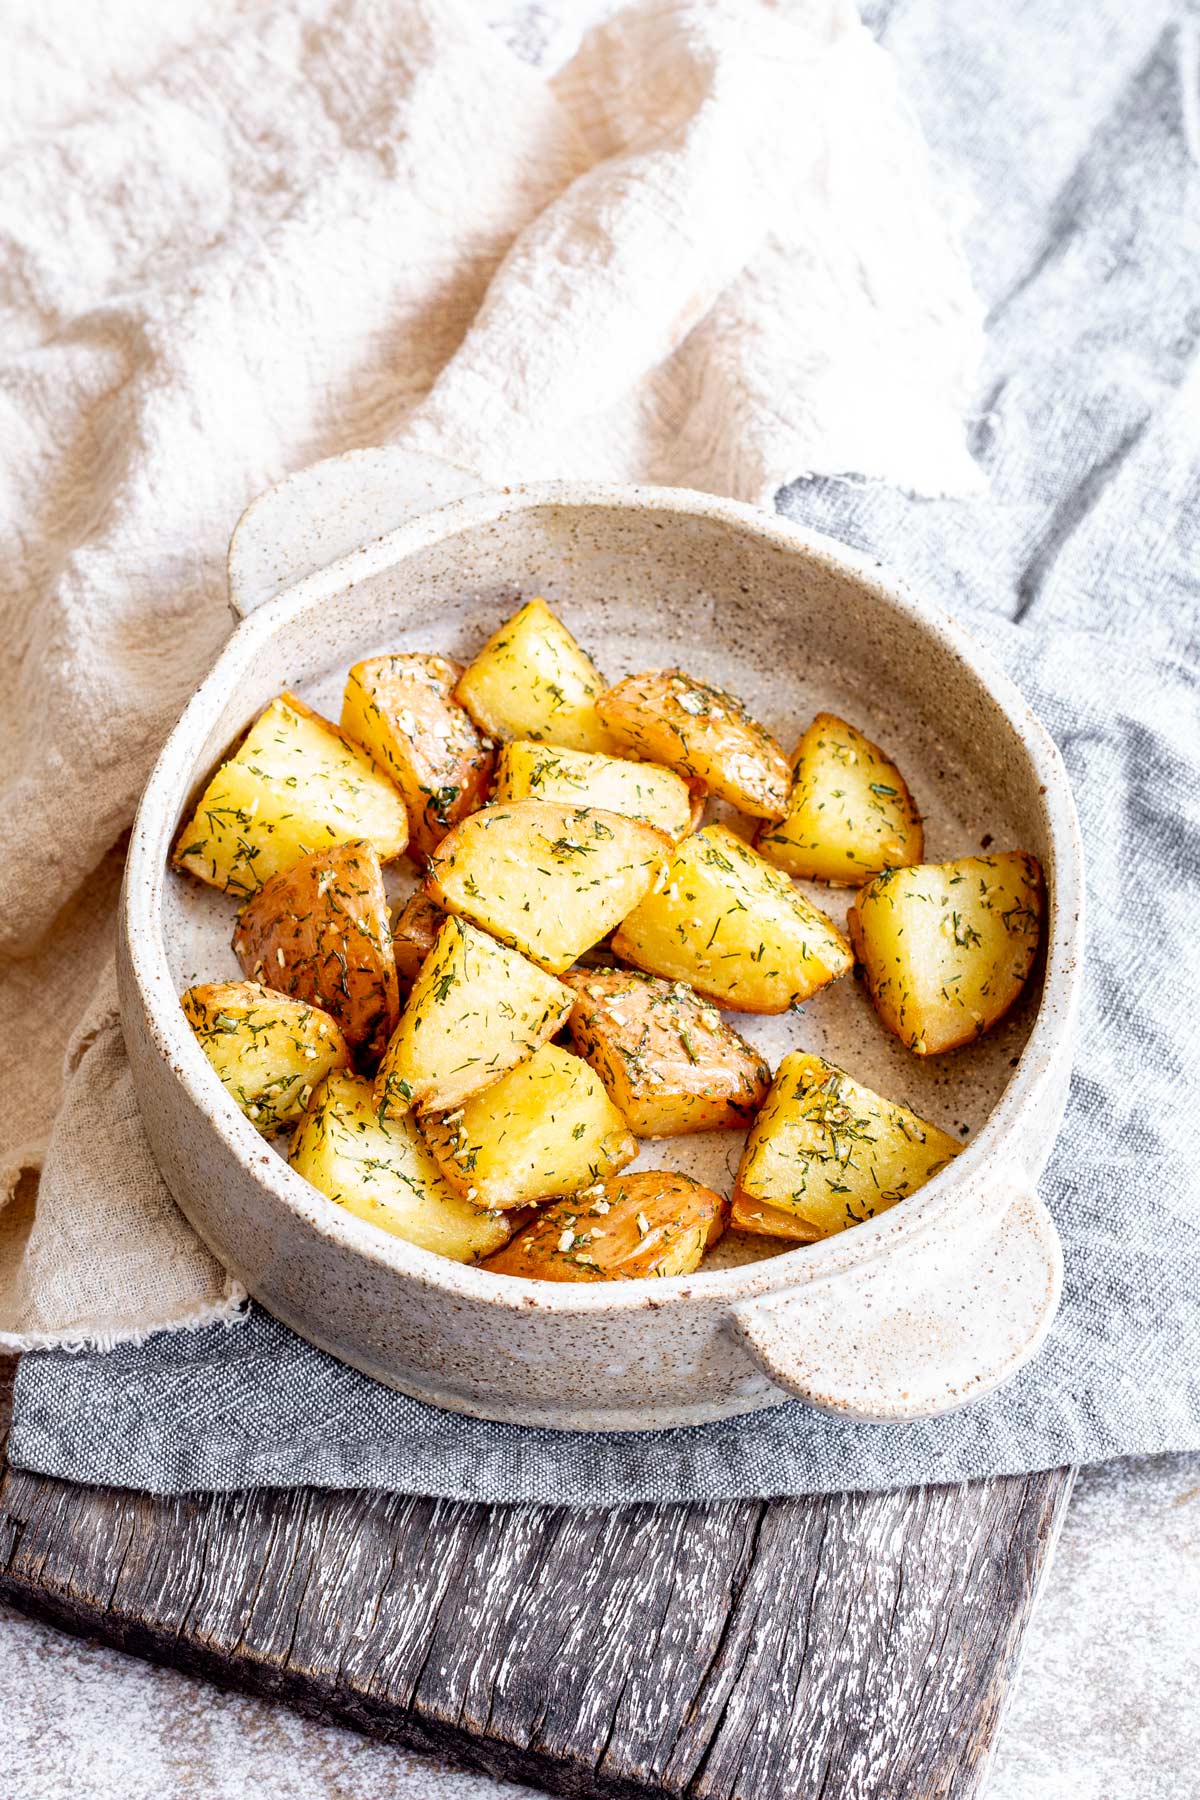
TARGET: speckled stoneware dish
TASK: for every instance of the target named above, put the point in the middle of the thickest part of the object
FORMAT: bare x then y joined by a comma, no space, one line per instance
919,1311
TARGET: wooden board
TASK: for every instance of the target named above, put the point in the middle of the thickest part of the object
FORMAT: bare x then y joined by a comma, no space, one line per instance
833,1648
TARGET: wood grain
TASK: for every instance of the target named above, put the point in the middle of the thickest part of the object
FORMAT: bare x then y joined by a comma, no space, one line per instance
830,1648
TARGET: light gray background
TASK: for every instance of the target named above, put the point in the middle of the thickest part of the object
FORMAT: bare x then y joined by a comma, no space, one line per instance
1106,1709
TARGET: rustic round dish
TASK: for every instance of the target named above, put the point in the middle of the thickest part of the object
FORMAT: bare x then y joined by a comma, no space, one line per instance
921,1310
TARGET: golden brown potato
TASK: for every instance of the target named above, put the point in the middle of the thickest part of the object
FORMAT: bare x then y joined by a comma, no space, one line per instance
319,932
651,1224
669,717
831,1151
414,933
531,680
734,928
270,1052
382,1172
667,1058
636,790
849,816
762,1220
296,784
476,1009
947,947
551,880
402,710
547,1128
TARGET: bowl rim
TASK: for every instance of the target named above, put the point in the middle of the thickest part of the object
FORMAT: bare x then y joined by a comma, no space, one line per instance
988,1158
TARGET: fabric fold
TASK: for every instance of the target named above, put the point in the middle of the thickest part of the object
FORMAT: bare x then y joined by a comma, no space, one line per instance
109,1257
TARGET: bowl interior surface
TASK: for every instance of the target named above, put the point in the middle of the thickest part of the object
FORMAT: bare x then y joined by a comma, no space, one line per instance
785,629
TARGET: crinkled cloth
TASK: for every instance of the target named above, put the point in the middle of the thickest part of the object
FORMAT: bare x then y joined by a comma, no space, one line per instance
1083,151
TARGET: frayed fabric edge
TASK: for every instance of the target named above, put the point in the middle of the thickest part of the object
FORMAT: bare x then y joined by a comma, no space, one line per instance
229,1311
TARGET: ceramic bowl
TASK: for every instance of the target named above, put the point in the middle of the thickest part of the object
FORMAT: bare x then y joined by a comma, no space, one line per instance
921,1310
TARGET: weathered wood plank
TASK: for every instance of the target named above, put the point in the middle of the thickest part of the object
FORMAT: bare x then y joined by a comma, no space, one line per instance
831,1648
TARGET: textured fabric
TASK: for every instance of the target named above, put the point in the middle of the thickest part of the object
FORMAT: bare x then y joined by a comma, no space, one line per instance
239,236
1080,149
118,1235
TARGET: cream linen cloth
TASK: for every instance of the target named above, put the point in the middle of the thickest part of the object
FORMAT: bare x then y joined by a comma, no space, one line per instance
239,237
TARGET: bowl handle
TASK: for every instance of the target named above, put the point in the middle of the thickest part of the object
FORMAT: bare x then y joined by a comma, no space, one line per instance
328,511
923,1329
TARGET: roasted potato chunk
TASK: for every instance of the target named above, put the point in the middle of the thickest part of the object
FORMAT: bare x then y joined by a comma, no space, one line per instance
270,1052
381,1171
833,1152
319,931
402,710
667,1058
545,1129
850,814
414,934
734,928
669,717
650,1224
551,880
477,1008
296,784
531,680
762,1220
947,947
636,790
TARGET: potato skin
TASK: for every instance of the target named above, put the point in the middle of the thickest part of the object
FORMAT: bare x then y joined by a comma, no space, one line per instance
319,931
550,880
269,1051
295,784
401,710
849,815
652,1224
544,1130
382,1172
946,948
414,934
734,928
668,1059
764,1220
532,680
833,1152
637,790
669,717
476,1009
